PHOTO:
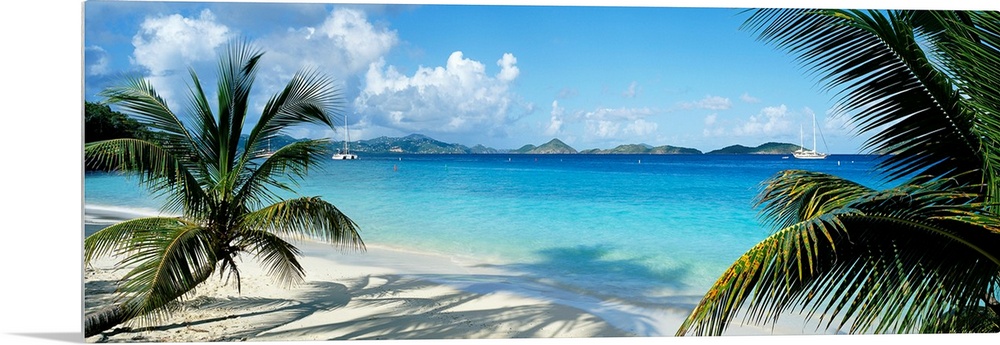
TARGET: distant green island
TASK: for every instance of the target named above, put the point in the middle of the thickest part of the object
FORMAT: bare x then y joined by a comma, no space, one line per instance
644,149
103,123
422,144
416,143
763,149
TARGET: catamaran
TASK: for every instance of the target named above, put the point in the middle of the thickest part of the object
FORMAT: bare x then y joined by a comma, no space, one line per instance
344,154
802,153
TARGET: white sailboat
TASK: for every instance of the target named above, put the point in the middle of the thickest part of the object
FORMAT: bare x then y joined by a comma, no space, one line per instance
802,153
344,154
267,153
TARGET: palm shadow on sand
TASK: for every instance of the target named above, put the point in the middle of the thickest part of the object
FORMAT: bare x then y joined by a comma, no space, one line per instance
392,307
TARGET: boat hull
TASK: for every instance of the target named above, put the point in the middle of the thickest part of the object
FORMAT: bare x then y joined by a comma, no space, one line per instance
810,155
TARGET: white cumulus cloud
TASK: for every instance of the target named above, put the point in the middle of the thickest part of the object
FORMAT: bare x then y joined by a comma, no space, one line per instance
618,114
96,60
711,119
603,129
770,121
556,120
165,46
459,97
508,72
344,44
172,42
710,103
749,99
614,123
358,42
641,128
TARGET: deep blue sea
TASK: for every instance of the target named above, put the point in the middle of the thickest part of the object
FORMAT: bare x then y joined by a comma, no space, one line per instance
638,226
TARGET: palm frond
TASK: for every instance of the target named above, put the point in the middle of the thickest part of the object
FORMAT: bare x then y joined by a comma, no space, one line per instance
158,169
207,130
116,239
237,72
309,97
971,320
923,255
887,262
279,172
971,49
307,218
167,258
139,98
279,256
885,80
792,196
220,189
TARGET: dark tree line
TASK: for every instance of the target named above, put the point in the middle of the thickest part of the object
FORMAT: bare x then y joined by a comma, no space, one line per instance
102,123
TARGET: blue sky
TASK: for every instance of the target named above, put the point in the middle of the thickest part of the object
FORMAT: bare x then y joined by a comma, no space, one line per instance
502,76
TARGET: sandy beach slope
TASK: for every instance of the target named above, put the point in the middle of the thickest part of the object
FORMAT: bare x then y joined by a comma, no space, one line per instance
384,293
377,294
356,296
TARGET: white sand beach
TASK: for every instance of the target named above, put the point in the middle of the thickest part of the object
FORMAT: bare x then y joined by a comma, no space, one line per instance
376,294
385,293
360,296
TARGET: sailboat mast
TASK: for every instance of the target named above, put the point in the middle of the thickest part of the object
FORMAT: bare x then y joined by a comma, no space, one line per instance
814,132
802,136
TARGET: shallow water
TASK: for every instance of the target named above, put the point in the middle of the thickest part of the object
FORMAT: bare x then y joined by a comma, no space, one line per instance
640,228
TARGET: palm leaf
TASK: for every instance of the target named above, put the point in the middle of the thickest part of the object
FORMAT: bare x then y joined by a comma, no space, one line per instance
792,196
279,172
276,254
205,126
971,320
307,218
116,239
888,261
138,97
309,97
220,189
237,71
885,81
971,48
166,257
158,169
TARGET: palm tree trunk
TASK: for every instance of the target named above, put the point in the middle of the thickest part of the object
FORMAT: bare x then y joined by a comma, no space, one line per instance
103,320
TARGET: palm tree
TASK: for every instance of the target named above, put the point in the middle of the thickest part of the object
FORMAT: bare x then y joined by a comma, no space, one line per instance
227,195
920,257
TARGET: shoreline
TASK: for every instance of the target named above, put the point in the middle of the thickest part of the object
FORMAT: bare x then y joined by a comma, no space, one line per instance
391,293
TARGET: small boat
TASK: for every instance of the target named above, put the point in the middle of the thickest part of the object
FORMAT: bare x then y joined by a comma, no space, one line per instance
344,153
802,153
267,153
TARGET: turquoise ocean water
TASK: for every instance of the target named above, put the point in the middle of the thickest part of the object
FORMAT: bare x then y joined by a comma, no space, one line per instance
636,227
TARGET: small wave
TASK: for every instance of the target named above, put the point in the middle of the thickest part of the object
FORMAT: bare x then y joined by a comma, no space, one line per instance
107,214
